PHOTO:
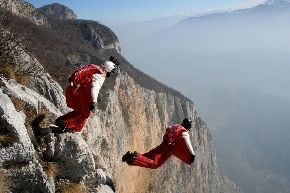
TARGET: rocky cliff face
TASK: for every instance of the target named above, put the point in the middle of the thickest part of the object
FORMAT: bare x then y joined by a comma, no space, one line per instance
132,114
97,35
39,16
58,11
132,118
23,9
140,116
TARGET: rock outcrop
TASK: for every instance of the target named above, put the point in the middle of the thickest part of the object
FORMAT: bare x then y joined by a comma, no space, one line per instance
140,116
17,7
24,9
22,159
99,36
58,11
18,155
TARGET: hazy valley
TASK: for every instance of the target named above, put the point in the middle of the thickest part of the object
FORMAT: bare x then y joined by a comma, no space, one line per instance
235,67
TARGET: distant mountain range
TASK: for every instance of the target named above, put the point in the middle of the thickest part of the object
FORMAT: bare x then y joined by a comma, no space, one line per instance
278,5
277,2
265,26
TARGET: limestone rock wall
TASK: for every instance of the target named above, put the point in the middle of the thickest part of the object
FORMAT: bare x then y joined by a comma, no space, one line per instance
57,162
134,118
130,117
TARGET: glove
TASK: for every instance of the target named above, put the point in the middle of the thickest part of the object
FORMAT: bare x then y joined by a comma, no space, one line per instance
108,74
93,107
192,159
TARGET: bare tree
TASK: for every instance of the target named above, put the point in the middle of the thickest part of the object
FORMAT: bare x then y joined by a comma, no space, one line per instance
6,48
13,53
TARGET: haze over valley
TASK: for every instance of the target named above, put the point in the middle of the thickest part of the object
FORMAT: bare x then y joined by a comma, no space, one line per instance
235,66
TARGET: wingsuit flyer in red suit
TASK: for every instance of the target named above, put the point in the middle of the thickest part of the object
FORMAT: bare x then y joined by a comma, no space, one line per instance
175,142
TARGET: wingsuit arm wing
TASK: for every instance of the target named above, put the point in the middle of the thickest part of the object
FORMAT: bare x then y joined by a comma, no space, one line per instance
186,138
97,82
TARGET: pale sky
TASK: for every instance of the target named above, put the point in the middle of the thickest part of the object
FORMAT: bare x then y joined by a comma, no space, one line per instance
128,11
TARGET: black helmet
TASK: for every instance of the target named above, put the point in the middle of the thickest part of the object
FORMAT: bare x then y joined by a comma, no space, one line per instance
114,60
111,65
186,123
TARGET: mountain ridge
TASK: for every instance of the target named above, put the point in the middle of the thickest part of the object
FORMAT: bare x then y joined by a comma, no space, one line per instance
270,4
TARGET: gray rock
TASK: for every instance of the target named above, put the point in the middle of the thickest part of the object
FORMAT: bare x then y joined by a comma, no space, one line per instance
101,176
51,90
24,9
99,36
30,178
104,189
32,98
57,10
11,120
73,156
19,158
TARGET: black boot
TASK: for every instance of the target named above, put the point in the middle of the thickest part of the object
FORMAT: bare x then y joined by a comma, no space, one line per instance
36,122
130,157
59,123
37,130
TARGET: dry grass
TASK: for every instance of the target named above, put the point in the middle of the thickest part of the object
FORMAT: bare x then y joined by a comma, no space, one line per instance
5,182
7,71
18,103
6,137
21,105
24,80
51,169
7,140
28,111
72,187
31,113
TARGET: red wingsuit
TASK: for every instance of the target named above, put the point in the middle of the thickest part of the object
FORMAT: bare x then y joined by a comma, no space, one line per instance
175,142
82,91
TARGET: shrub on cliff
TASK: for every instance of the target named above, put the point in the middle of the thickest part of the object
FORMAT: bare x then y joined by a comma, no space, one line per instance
14,60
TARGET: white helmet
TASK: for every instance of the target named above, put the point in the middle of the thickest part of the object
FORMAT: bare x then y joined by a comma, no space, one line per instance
109,66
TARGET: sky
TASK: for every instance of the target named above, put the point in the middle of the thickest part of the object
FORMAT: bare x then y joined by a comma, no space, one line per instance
114,12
